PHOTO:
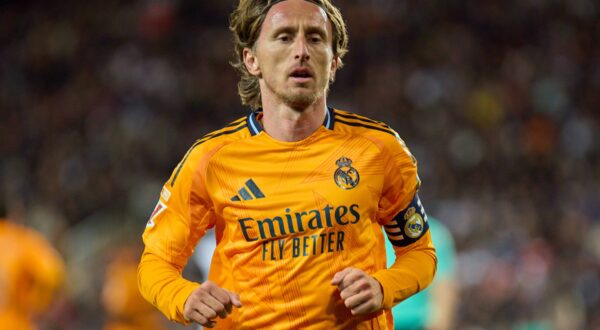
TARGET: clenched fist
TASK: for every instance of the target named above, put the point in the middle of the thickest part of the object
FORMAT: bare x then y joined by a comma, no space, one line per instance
209,301
360,292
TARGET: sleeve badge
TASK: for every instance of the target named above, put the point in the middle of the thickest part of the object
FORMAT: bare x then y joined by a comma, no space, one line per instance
414,223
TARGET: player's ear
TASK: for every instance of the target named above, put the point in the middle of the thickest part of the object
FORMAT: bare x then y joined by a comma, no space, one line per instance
251,62
335,62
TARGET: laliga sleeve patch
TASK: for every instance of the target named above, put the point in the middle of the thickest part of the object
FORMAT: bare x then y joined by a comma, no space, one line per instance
165,194
408,225
160,207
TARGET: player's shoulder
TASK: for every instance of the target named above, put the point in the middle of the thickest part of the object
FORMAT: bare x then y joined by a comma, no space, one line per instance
205,147
234,131
353,123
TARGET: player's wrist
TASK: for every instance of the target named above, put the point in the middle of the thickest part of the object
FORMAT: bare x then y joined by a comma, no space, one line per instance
387,298
379,292
181,301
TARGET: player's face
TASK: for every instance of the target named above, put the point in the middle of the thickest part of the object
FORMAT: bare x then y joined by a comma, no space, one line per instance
293,53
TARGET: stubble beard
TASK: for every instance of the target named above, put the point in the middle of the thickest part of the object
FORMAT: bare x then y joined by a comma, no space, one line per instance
299,101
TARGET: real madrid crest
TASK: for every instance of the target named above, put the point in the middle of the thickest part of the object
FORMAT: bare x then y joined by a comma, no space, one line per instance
346,176
414,223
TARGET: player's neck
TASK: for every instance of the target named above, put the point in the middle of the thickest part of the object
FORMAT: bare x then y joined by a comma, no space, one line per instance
283,123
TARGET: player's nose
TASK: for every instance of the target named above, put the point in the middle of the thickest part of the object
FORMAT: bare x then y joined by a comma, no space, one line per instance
301,49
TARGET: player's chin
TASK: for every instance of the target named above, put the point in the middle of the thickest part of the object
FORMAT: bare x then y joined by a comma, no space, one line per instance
301,99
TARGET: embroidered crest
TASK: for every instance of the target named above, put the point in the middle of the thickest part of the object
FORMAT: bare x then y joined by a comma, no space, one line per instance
414,223
346,176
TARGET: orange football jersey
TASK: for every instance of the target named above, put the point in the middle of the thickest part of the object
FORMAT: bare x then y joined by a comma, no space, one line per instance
288,216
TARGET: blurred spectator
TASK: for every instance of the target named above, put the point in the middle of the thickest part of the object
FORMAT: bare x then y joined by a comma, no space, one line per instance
31,274
125,307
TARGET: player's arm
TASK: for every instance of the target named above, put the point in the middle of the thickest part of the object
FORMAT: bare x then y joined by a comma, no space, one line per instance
160,283
400,210
412,271
405,223
179,299
180,219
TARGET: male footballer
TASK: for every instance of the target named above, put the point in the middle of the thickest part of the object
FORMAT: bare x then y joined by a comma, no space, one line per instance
297,193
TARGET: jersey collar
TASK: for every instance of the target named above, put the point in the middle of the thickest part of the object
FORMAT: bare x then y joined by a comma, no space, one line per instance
255,127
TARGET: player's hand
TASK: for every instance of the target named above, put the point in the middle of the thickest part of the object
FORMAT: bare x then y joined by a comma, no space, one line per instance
360,292
209,301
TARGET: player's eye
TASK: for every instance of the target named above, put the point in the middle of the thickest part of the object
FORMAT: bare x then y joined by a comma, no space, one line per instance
315,38
284,37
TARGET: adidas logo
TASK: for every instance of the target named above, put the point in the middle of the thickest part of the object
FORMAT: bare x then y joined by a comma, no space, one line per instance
246,195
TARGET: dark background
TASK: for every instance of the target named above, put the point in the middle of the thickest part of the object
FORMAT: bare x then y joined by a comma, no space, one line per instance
498,100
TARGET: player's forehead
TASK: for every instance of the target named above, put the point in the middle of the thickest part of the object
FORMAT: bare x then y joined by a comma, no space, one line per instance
291,13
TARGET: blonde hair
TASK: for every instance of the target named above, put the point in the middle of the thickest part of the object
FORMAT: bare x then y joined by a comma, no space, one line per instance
245,23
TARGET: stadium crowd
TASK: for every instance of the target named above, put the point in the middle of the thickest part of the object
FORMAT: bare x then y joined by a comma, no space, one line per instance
498,100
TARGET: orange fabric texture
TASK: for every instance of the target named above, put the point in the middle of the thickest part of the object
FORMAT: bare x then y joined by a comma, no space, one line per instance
288,216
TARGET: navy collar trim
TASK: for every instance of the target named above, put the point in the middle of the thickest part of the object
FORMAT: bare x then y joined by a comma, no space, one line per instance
255,127
253,124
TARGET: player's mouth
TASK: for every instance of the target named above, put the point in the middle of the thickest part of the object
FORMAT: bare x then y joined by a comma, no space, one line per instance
301,75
